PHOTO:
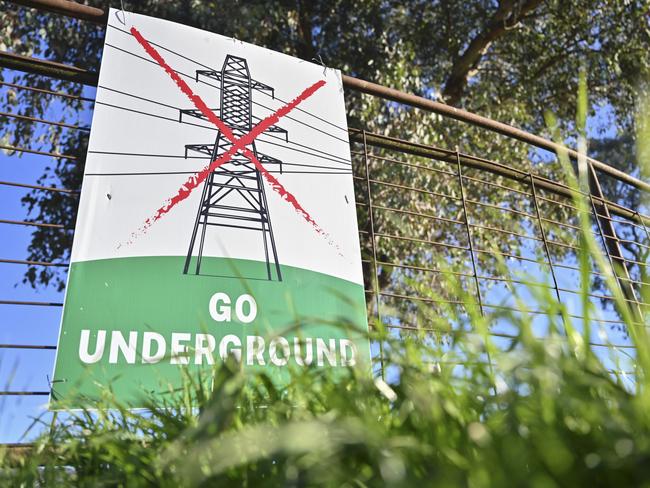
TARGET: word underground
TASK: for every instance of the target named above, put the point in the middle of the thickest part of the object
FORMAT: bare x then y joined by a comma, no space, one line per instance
199,349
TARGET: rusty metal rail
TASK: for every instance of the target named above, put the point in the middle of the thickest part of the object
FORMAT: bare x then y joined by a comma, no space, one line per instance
48,68
17,86
31,303
41,153
67,7
42,121
40,187
483,122
28,346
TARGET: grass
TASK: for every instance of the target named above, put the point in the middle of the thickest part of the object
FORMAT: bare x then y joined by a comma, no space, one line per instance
537,413
545,413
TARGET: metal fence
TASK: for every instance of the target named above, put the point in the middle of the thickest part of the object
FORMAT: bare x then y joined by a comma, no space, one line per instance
540,238
426,213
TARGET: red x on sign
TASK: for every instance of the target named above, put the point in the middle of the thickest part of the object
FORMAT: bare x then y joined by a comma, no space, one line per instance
238,145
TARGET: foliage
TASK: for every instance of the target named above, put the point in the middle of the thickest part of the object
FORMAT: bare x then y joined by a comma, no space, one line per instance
542,413
509,60
557,419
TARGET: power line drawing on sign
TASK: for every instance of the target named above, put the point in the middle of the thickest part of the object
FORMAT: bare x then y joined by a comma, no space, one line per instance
233,195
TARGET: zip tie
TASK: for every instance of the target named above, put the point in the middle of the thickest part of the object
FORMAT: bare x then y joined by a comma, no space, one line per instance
322,63
123,19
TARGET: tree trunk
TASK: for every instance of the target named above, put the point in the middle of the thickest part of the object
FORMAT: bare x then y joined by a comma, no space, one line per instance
505,18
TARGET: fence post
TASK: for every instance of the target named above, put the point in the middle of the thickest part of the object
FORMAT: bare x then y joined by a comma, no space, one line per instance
375,276
611,243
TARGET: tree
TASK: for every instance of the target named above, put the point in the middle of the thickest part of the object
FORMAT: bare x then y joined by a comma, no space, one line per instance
509,60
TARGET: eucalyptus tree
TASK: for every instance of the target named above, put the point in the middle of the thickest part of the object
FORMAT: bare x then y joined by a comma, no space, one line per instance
510,60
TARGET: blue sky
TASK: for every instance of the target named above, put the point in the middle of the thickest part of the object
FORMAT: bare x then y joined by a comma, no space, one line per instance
24,370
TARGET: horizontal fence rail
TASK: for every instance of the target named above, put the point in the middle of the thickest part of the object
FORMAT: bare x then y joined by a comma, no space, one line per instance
416,202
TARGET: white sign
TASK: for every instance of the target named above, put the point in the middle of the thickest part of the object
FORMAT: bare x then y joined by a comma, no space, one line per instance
217,214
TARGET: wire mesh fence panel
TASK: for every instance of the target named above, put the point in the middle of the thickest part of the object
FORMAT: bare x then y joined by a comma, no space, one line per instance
508,240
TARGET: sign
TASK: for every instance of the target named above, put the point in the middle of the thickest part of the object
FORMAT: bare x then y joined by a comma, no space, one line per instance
217,217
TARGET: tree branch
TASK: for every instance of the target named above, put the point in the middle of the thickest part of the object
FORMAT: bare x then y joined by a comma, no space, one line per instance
305,45
507,15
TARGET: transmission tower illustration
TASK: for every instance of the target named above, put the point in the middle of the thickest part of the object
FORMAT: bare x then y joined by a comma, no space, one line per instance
233,194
